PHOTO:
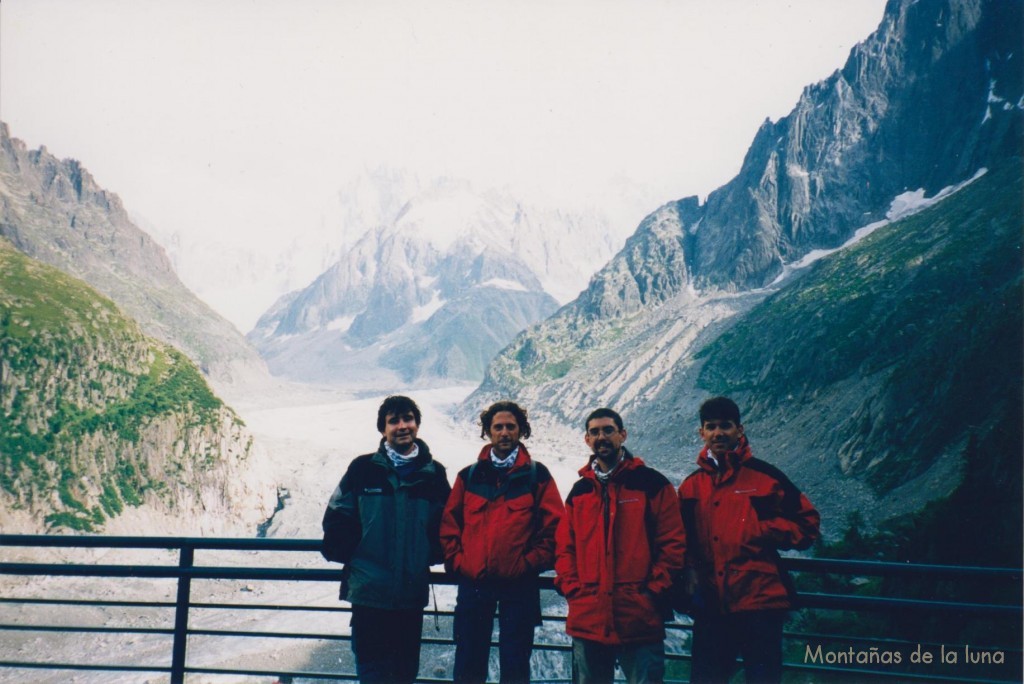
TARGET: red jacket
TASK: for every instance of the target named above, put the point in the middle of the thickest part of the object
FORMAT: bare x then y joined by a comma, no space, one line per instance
737,519
618,547
495,527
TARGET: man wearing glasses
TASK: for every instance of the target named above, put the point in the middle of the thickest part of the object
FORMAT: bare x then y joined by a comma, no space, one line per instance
739,512
618,546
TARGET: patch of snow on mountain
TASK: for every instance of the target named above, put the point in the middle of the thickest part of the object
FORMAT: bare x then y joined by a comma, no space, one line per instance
992,97
422,313
502,284
341,323
795,171
902,206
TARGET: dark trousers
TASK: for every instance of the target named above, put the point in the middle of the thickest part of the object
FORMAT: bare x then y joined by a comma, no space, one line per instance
386,644
594,663
718,639
518,605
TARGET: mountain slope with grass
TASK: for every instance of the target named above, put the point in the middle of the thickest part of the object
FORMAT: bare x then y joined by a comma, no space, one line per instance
882,376
103,426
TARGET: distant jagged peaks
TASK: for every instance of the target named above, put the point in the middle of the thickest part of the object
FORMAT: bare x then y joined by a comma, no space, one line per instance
444,285
242,277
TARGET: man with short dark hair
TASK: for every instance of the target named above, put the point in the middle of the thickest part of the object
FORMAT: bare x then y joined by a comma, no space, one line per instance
382,522
619,545
498,534
739,512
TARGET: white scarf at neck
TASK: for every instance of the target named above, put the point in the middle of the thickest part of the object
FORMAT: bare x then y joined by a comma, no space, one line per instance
604,476
401,459
506,462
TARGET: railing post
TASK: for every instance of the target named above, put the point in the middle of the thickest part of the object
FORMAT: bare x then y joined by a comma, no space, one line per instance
185,561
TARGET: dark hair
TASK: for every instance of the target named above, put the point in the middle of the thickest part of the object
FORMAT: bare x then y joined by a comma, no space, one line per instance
720,408
603,413
497,407
397,405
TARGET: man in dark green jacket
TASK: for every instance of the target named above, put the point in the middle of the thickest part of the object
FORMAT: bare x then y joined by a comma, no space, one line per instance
383,523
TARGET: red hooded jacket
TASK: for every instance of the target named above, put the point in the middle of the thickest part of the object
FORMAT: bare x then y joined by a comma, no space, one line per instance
738,516
502,524
618,547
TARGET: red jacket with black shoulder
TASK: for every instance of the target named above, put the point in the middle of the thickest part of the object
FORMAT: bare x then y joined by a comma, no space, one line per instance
501,525
738,516
619,546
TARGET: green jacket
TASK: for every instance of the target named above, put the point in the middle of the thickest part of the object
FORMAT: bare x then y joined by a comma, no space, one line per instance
385,529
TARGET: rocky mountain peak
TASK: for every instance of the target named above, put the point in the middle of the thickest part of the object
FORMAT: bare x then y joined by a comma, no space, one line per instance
924,103
53,210
440,287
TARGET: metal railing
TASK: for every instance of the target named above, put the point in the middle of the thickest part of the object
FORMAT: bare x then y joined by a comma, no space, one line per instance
824,656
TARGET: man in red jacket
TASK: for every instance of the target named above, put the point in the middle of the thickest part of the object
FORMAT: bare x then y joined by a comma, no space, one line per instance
498,534
619,545
739,512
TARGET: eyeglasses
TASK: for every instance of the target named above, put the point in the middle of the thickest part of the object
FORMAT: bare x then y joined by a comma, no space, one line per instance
605,430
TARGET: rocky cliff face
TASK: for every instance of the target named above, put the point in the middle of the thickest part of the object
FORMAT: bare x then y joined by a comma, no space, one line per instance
54,211
929,99
932,96
435,292
103,427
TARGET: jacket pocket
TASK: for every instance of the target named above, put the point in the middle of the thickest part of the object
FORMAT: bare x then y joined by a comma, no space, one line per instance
635,612
754,583
587,613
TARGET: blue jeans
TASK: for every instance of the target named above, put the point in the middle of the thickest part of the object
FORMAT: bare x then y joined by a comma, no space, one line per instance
594,663
386,644
518,605
718,639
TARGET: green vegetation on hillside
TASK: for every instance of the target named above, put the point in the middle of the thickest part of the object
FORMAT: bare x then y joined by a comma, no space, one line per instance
915,334
79,386
930,306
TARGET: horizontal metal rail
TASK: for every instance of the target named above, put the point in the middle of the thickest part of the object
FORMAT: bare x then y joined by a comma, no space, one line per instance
889,569
807,600
845,602
87,630
187,571
877,641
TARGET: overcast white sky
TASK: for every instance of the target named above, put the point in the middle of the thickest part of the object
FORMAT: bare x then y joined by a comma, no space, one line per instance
243,117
